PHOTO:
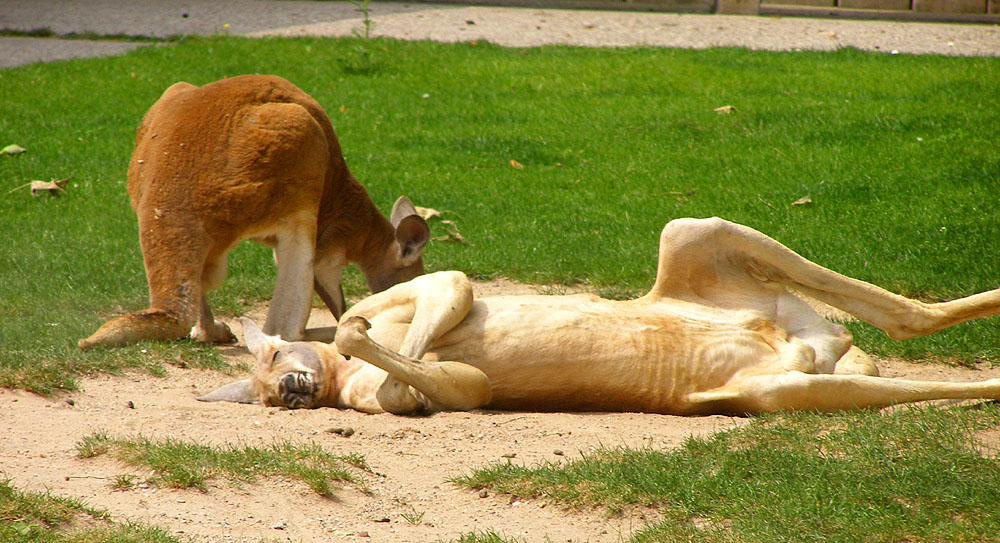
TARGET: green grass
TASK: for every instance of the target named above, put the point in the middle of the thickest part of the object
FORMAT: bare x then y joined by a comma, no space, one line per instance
913,474
487,536
31,517
179,464
900,156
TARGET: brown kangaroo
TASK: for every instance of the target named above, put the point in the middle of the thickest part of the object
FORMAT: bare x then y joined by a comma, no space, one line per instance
251,157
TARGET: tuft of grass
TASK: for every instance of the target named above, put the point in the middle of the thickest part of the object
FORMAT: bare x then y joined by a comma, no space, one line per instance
899,155
179,464
94,445
123,482
487,536
43,518
914,473
363,56
414,518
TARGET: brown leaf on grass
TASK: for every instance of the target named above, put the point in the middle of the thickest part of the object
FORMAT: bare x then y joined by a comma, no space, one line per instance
54,187
724,110
427,213
516,165
802,201
452,233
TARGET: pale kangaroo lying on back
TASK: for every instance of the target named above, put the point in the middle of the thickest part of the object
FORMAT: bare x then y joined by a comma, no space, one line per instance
718,333
251,157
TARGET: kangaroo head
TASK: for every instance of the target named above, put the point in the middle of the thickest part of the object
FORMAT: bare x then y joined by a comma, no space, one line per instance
287,374
403,258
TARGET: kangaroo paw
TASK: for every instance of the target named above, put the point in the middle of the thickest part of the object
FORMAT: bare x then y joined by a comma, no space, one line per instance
219,333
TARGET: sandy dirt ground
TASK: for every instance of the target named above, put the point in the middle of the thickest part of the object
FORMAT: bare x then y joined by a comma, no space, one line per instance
409,497
530,27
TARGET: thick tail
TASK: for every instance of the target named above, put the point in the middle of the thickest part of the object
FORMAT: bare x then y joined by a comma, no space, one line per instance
148,324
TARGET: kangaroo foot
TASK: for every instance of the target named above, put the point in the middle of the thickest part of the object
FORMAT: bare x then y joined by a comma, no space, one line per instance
218,333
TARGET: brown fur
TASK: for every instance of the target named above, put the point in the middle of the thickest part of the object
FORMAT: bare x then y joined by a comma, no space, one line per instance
251,157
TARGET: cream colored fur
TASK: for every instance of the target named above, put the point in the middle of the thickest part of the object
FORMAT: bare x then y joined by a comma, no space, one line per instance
251,157
718,333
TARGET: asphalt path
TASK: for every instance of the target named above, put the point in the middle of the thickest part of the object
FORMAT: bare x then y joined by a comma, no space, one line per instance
156,19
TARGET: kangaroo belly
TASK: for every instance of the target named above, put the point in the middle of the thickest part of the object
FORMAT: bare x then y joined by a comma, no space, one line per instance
584,353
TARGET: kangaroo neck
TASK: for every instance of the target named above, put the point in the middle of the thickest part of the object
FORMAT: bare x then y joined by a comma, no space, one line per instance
349,222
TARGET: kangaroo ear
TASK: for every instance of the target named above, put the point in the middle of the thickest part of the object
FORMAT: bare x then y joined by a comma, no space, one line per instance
255,339
412,231
412,235
401,209
239,392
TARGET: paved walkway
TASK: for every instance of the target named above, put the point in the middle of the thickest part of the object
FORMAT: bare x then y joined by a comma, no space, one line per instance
518,27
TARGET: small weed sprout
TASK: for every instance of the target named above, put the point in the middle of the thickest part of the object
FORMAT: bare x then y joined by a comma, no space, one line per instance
414,518
93,445
360,58
123,481
366,21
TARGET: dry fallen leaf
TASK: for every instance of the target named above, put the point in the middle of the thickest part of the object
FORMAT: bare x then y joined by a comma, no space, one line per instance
802,201
724,110
427,213
54,187
13,149
517,165
452,233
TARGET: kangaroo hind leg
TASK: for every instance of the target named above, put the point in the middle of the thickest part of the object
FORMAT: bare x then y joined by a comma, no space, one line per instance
173,274
207,329
794,391
704,257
